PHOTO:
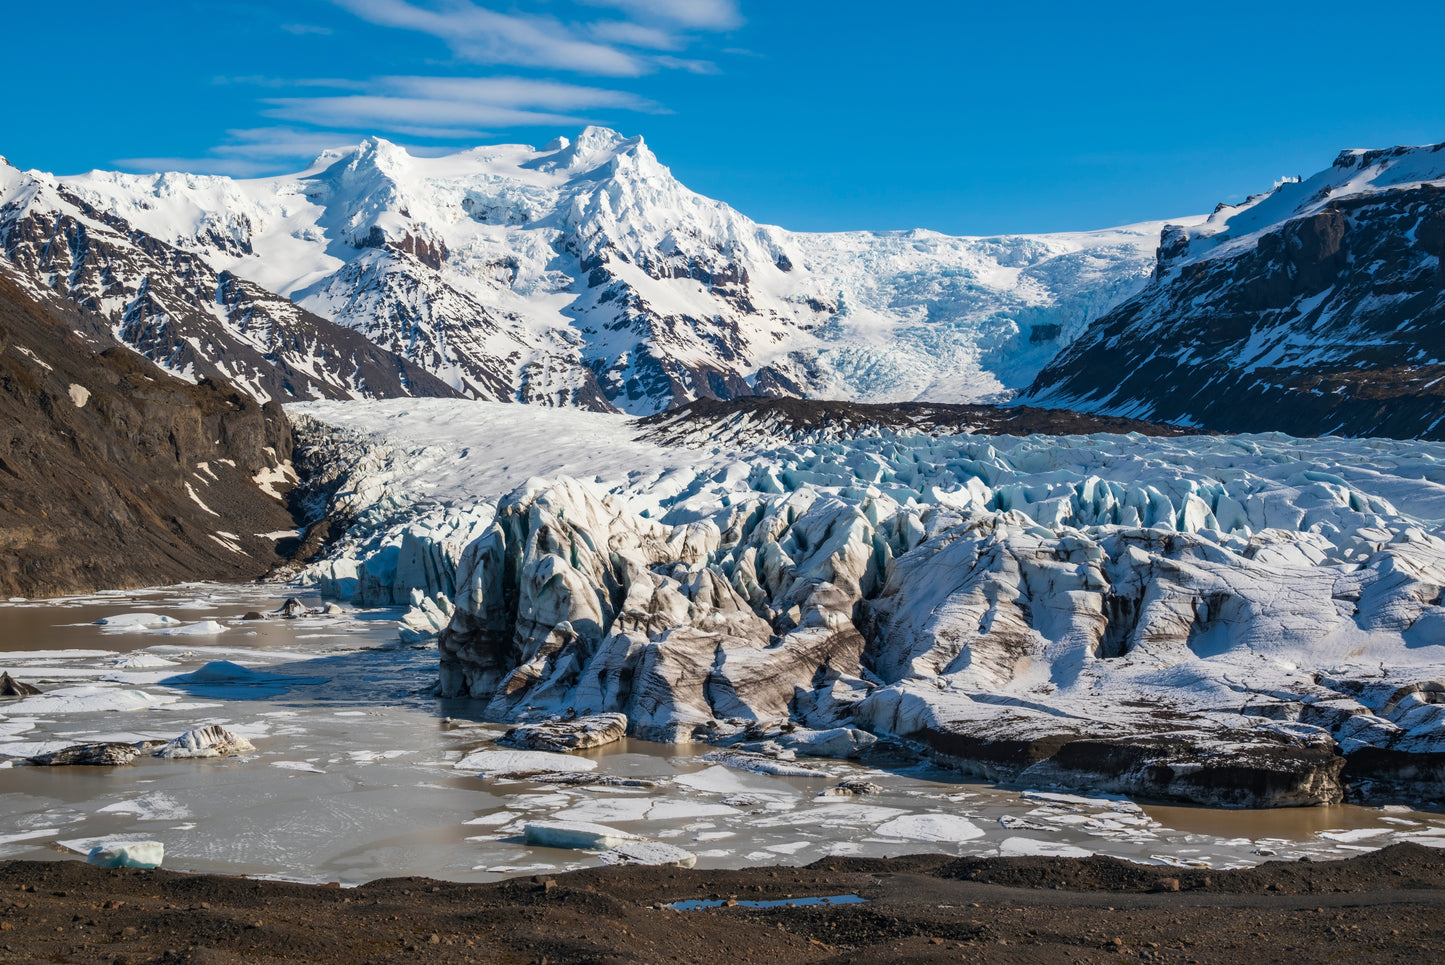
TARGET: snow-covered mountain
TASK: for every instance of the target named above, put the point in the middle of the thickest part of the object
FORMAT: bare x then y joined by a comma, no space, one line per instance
1316,307
583,273
176,309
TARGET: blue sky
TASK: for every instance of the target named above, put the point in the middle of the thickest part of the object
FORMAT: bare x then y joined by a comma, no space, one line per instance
961,117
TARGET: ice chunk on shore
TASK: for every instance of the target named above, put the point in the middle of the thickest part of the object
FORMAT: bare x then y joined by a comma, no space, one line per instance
142,854
522,763
649,853
577,835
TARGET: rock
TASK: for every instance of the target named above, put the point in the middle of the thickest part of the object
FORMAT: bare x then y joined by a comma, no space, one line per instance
561,734
1165,884
10,687
110,754
254,615
142,854
578,835
212,741
851,787
292,609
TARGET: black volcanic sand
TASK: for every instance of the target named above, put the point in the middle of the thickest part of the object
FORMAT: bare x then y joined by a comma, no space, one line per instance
1384,906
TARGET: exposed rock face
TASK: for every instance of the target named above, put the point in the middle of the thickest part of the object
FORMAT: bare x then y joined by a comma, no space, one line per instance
117,475
755,421
1316,308
175,309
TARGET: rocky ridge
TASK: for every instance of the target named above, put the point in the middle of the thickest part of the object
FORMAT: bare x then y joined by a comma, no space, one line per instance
1314,308
117,475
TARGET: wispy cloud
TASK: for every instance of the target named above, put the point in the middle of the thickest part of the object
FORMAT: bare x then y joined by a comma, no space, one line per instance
303,29
486,36
451,107
603,39
698,14
250,152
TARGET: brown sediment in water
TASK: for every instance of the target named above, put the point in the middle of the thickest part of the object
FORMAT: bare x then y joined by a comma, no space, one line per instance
1381,907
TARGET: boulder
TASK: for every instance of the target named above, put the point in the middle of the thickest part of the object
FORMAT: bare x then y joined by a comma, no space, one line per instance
563,734
108,754
10,687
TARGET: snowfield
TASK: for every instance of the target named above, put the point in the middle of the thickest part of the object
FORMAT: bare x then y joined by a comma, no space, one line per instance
582,273
1142,615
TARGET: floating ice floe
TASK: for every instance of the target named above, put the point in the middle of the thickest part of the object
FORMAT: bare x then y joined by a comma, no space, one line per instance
137,621
578,835
522,763
930,827
89,700
762,764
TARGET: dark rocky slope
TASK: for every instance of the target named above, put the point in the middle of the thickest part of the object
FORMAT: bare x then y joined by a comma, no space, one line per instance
1318,308
105,463
746,421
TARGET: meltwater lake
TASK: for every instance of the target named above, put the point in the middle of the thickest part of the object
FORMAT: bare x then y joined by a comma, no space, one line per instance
354,775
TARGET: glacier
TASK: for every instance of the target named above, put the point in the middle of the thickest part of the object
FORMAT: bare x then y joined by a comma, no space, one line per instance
1242,621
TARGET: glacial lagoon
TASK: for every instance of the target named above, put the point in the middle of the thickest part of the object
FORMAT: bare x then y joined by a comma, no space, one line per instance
354,775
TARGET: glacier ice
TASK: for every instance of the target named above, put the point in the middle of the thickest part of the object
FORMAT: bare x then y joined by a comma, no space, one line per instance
1138,615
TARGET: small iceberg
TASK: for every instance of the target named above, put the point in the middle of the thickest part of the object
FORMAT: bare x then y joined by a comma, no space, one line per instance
224,679
576,835
142,854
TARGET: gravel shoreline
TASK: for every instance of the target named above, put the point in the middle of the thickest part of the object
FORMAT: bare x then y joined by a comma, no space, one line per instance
1383,906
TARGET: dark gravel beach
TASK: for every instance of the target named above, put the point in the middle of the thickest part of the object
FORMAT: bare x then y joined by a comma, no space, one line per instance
1384,906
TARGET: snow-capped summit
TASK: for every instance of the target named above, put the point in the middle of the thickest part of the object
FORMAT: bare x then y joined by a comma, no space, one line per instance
173,306
584,273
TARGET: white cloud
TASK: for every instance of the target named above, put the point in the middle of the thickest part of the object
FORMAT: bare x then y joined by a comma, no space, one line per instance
700,14
302,29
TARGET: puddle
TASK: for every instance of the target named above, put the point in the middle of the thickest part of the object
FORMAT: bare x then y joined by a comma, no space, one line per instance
697,904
